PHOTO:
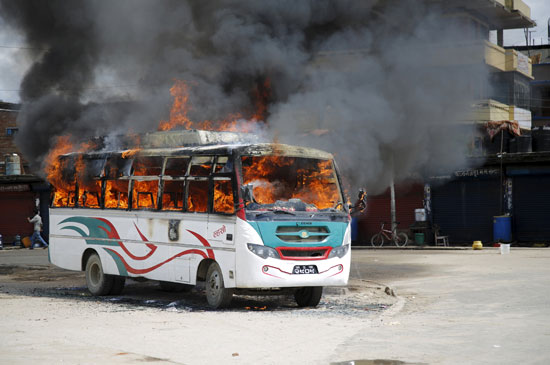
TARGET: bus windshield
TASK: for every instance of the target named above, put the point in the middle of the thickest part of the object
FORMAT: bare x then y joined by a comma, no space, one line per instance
291,183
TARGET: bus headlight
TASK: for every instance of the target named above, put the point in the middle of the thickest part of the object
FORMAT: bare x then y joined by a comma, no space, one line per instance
339,251
263,251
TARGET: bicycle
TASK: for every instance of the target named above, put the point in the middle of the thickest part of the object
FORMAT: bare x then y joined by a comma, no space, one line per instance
399,238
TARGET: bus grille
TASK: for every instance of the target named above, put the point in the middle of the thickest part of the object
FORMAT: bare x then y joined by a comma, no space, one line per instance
302,234
303,253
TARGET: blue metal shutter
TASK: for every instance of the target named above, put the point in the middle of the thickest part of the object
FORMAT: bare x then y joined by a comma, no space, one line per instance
464,209
531,208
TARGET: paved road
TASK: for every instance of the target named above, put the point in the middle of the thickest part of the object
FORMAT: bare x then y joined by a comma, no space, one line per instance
451,307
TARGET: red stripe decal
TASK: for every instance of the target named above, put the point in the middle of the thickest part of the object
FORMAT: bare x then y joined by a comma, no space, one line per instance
205,243
114,234
342,269
144,271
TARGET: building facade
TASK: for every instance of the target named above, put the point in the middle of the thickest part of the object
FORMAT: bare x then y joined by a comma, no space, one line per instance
464,204
20,191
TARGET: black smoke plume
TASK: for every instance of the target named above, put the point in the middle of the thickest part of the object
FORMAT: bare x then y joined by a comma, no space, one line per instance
370,81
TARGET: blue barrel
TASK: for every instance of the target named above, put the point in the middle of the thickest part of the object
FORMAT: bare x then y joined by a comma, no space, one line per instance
502,228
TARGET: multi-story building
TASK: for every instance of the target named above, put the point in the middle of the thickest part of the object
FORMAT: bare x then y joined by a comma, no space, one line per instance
20,191
464,204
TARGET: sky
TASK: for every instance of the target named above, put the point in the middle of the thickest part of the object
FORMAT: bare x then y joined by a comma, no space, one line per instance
14,61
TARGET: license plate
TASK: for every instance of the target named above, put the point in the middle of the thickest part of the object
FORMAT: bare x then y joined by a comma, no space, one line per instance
305,269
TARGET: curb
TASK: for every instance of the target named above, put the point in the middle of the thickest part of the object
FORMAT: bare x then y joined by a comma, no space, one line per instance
410,248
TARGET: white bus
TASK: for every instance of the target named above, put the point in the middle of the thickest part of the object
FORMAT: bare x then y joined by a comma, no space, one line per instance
236,216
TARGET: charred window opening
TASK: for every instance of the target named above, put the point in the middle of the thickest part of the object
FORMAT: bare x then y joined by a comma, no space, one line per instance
145,185
89,172
223,196
117,171
147,166
172,195
291,183
176,167
177,183
89,194
173,184
197,196
201,166
223,165
62,177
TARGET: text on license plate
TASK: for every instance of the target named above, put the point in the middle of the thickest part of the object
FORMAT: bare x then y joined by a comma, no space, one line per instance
305,269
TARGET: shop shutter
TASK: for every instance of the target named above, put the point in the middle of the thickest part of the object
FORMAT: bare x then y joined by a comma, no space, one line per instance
464,209
531,208
15,208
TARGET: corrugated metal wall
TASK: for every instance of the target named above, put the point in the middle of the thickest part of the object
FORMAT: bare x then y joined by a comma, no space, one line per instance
15,207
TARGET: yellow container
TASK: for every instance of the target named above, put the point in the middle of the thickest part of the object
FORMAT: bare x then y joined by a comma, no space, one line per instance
477,245
26,242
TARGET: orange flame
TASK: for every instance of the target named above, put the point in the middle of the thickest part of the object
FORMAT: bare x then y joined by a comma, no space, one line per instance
277,178
234,122
223,197
56,168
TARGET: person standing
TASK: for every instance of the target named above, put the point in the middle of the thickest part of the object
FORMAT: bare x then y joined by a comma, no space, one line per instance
36,237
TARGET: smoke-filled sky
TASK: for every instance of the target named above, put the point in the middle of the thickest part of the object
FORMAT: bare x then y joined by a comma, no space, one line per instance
361,80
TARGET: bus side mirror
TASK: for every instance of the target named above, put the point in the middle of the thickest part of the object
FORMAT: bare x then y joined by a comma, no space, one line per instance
247,192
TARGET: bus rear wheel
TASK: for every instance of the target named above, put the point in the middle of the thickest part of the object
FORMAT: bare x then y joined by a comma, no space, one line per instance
309,296
97,281
217,295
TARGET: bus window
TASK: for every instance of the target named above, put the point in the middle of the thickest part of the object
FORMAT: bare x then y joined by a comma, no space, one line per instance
176,167
223,196
146,186
89,188
147,166
145,194
172,195
223,164
118,167
201,166
90,194
62,178
197,198
116,194
280,178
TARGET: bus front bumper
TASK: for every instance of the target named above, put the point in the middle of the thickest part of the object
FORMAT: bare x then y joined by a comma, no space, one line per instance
276,273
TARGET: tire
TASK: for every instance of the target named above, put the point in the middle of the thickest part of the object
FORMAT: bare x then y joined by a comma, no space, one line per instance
308,296
401,239
377,240
217,295
98,283
170,287
118,284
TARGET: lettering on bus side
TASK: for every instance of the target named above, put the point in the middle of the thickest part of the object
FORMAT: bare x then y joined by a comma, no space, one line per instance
218,232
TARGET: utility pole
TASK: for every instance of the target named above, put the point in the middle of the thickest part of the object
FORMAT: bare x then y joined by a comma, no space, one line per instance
392,195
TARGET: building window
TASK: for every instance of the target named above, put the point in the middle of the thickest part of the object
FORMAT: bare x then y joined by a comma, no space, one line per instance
12,131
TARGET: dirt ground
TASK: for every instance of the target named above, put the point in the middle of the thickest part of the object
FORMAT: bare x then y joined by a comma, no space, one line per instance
449,307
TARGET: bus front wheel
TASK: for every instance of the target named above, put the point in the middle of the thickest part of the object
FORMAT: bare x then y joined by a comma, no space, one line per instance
97,281
308,296
217,295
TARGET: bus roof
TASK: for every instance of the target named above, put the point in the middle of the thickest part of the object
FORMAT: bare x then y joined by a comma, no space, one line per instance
199,142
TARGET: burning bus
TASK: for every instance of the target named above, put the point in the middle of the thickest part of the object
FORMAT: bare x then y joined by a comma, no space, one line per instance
193,206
